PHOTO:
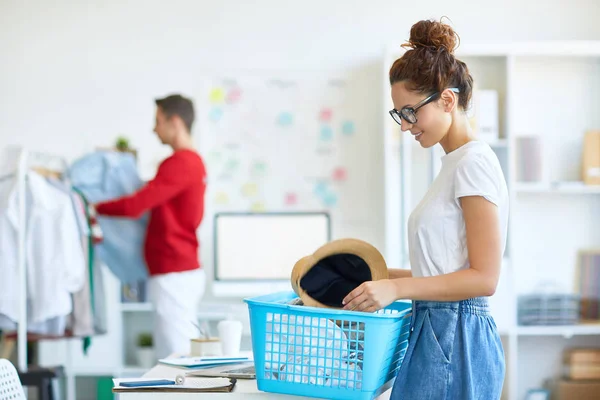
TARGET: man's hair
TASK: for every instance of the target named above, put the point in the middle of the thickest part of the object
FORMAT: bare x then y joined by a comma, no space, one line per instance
178,105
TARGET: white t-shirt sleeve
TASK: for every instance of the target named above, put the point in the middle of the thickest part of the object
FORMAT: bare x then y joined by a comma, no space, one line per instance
476,176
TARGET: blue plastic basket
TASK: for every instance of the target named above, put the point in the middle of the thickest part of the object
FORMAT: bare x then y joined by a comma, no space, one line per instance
326,353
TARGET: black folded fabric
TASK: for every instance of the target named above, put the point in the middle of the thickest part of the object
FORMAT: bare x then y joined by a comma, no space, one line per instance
334,277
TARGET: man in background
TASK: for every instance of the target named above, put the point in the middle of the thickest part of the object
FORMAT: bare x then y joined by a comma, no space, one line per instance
175,199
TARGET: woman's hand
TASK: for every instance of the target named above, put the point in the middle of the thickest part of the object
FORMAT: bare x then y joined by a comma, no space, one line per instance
372,296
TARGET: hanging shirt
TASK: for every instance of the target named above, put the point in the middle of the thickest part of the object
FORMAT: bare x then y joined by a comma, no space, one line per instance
437,238
104,175
54,257
176,200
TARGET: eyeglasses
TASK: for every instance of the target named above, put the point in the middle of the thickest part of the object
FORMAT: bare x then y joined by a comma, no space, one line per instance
409,113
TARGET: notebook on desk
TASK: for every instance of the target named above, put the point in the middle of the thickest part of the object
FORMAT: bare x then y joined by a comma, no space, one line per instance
193,385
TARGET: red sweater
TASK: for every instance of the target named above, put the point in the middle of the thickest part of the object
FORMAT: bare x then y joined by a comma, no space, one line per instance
175,199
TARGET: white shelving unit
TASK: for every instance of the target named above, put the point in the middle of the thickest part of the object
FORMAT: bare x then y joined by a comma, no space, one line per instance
113,354
550,89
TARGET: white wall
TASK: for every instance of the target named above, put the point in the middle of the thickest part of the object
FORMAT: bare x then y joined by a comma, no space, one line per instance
75,74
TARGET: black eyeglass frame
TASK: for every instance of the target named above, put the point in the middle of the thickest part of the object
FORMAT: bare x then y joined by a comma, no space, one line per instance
409,113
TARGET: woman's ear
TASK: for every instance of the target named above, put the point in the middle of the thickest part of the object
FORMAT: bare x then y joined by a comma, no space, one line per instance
449,100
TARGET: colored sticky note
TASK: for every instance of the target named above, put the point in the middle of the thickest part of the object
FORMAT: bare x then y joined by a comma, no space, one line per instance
321,189
258,206
249,190
216,96
214,157
326,133
348,128
234,95
285,119
330,199
339,174
291,199
325,115
221,198
232,164
215,114
259,168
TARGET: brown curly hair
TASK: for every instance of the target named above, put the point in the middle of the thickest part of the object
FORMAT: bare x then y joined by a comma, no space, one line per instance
429,64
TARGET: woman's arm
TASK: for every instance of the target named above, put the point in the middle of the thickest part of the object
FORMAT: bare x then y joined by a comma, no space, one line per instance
395,273
484,249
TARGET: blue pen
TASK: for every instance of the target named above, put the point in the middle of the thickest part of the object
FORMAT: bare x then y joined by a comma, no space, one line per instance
156,382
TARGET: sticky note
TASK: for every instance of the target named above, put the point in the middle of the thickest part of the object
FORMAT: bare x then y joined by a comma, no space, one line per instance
216,96
214,157
339,174
249,189
232,164
291,199
285,119
258,206
321,188
326,133
234,95
330,199
259,168
325,115
221,198
215,114
348,128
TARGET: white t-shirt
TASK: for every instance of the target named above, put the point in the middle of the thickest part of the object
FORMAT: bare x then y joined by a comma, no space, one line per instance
436,228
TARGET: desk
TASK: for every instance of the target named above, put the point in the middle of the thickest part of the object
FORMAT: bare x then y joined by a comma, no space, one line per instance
244,389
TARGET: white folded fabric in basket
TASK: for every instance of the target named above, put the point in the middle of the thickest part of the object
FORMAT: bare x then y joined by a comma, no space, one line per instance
309,350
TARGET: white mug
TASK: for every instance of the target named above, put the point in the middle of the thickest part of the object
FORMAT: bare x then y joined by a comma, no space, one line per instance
230,334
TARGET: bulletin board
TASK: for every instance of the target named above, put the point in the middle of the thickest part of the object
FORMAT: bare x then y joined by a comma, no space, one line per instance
285,144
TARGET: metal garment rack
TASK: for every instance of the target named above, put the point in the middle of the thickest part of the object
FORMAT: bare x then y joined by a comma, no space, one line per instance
26,161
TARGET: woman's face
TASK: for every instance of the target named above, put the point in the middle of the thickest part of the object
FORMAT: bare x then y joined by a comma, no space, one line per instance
433,119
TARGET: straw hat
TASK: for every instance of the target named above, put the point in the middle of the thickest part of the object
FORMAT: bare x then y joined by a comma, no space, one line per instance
325,277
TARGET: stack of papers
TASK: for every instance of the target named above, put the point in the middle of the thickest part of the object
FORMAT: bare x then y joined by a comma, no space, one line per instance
200,362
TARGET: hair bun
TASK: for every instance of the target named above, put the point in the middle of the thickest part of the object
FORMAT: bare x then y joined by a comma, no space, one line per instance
434,35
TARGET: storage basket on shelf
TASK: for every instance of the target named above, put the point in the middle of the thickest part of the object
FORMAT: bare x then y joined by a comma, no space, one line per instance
549,309
326,353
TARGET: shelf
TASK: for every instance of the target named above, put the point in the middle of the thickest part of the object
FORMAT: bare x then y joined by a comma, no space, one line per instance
581,48
211,312
556,188
560,330
498,144
91,371
133,370
136,307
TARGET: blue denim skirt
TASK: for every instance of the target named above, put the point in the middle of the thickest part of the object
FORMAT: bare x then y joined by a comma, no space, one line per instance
454,353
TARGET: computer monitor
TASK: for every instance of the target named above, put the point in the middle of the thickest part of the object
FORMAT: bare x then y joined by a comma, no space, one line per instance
254,253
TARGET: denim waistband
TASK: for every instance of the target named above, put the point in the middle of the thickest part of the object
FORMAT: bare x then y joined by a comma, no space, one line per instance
477,305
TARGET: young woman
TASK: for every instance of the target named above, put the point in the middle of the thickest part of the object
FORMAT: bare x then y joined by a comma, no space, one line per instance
456,234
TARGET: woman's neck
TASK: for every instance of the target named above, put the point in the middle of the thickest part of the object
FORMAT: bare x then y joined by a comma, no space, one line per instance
459,134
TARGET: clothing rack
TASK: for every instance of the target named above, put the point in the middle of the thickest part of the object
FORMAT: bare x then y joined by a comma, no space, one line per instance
48,165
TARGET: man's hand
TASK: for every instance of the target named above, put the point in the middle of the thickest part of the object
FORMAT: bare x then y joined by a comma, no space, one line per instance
371,296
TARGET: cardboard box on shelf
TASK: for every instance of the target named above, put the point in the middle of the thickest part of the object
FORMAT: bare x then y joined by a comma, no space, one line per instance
582,356
576,390
591,158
